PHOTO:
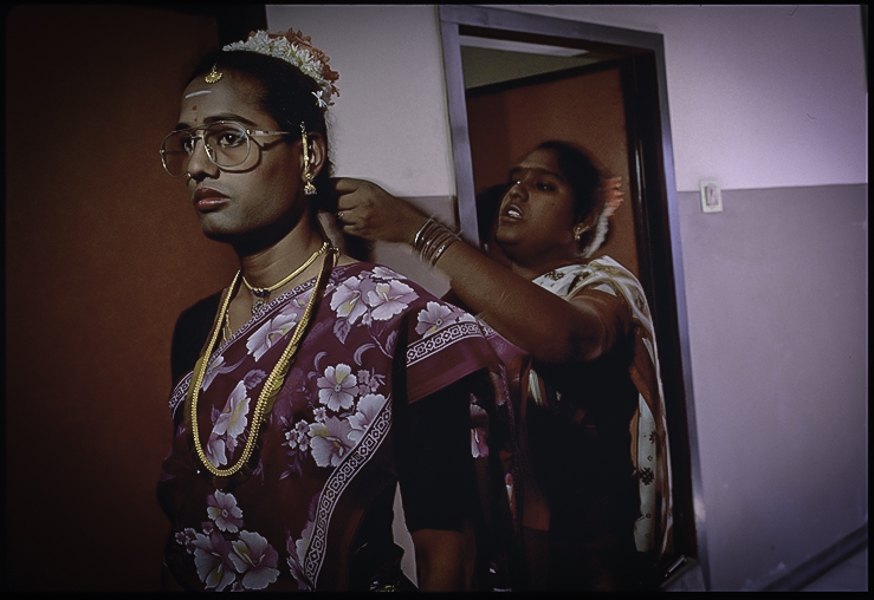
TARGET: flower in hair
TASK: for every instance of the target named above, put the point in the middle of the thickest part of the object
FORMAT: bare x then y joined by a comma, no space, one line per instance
295,48
320,99
613,198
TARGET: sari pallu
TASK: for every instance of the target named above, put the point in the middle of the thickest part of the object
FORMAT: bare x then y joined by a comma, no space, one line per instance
650,453
377,343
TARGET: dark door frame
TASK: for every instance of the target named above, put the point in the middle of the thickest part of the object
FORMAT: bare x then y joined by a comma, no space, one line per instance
653,192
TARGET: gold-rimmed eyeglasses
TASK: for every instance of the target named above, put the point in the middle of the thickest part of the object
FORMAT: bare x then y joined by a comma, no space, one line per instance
227,144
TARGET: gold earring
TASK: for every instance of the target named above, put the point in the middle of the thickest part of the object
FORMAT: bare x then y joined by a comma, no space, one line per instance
308,189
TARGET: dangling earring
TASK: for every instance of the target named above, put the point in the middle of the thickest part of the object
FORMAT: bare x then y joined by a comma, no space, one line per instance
308,189
578,233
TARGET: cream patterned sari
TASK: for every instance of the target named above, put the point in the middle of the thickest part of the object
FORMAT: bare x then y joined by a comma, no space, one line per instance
649,437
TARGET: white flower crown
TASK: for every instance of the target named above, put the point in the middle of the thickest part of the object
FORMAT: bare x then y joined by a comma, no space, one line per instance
296,49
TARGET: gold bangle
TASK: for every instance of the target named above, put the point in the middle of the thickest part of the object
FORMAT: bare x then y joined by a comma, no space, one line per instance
451,240
420,235
432,240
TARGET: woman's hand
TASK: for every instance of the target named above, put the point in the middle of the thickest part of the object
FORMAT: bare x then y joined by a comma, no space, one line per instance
367,211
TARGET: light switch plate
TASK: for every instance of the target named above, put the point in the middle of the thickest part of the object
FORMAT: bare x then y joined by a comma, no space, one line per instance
711,196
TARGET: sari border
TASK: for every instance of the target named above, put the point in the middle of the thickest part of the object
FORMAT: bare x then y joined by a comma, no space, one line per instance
337,482
442,339
179,392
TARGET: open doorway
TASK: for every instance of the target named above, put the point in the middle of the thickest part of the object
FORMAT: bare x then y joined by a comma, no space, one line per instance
528,97
500,65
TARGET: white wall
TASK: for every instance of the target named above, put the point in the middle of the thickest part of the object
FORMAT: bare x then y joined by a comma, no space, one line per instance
389,123
772,101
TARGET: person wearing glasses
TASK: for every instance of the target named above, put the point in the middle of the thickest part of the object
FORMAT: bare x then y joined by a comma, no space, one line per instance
313,383
594,496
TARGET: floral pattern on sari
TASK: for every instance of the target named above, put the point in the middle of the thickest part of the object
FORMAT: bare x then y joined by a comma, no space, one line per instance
226,556
328,421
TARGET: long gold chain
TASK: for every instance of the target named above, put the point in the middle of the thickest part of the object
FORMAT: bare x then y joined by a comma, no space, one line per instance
263,293
274,381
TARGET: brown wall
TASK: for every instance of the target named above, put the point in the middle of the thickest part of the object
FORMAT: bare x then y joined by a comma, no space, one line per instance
586,109
103,250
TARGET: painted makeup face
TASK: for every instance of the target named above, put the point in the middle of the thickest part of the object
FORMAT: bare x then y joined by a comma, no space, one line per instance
266,190
536,217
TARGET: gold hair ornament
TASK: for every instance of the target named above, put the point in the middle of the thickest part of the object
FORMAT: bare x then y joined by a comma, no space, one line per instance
272,385
213,76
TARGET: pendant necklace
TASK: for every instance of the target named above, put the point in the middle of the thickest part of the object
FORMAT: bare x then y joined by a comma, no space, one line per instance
262,294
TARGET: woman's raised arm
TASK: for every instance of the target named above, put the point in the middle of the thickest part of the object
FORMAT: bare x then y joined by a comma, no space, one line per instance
553,330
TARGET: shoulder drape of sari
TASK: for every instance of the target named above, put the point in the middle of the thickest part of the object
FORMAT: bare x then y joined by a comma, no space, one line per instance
326,448
650,451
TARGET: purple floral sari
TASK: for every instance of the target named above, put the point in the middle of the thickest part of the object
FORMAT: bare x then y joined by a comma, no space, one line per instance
325,450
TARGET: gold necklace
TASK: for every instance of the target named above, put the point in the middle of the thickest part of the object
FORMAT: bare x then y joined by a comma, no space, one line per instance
261,294
273,383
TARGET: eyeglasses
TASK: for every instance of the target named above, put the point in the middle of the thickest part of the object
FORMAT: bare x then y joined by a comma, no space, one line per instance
227,144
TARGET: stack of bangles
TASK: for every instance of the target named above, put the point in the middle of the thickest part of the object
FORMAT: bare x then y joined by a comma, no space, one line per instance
432,240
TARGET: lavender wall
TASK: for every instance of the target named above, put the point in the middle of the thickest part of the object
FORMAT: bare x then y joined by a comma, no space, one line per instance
776,289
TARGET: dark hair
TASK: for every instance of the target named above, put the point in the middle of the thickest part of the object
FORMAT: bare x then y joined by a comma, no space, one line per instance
585,178
287,96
